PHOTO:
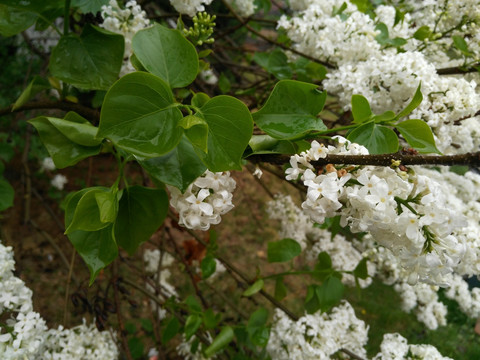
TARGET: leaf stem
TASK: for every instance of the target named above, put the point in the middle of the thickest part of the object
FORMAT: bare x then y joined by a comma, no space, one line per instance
66,20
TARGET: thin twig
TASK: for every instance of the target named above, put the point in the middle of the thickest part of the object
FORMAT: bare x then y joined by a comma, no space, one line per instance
119,312
67,290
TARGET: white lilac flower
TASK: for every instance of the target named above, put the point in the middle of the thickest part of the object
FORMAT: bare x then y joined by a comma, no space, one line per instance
190,7
59,181
204,201
47,164
317,336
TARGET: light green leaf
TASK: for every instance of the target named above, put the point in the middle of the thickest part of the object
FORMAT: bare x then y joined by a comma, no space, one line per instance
97,248
166,53
192,324
291,110
257,330
222,340
141,212
37,85
89,61
196,130
360,109
283,250
230,127
200,99
418,135
63,151
179,168
87,6
376,138
138,116
107,203
6,194
461,45
14,21
416,100
253,289
77,129
265,144
422,33
87,213
386,116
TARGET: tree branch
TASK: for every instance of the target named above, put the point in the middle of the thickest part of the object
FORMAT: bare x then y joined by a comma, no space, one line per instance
470,159
84,111
458,70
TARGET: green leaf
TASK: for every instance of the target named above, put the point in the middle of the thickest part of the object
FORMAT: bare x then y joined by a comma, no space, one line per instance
14,21
97,248
166,53
210,320
141,212
230,127
34,5
89,61
224,83
193,305
172,329
360,109
275,62
316,71
422,33
6,194
77,129
196,130
135,346
280,288
179,168
386,116
107,203
461,45
63,151
256,328
361,270
200,99
87,213
418,135
265,144
192,324
283,250
312,303
376,138
221,340
291,110
324,261
329,293
37,85
416,100
208,266
87,6
384,39
253,289
138,116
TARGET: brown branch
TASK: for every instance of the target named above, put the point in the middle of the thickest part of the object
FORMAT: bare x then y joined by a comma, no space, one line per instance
83,110
470,159
274,42
458,70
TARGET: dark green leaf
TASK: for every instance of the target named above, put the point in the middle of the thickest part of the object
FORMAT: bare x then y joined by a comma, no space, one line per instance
135,346
360,109
14,21
416,100
291,110
196,130
208,266
256,328
361,270
324,261
193,304
275,62
230,127
63,151
280,288
172,329
253,289
192,324
316,71
265,144
179,168
141,212
376,138
147,325
89,61
166,53
329,293
223,339
418,135
210,320
34,5
97,248
224,83
283,250
312,303
36,85
6,194
87,6
137,116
